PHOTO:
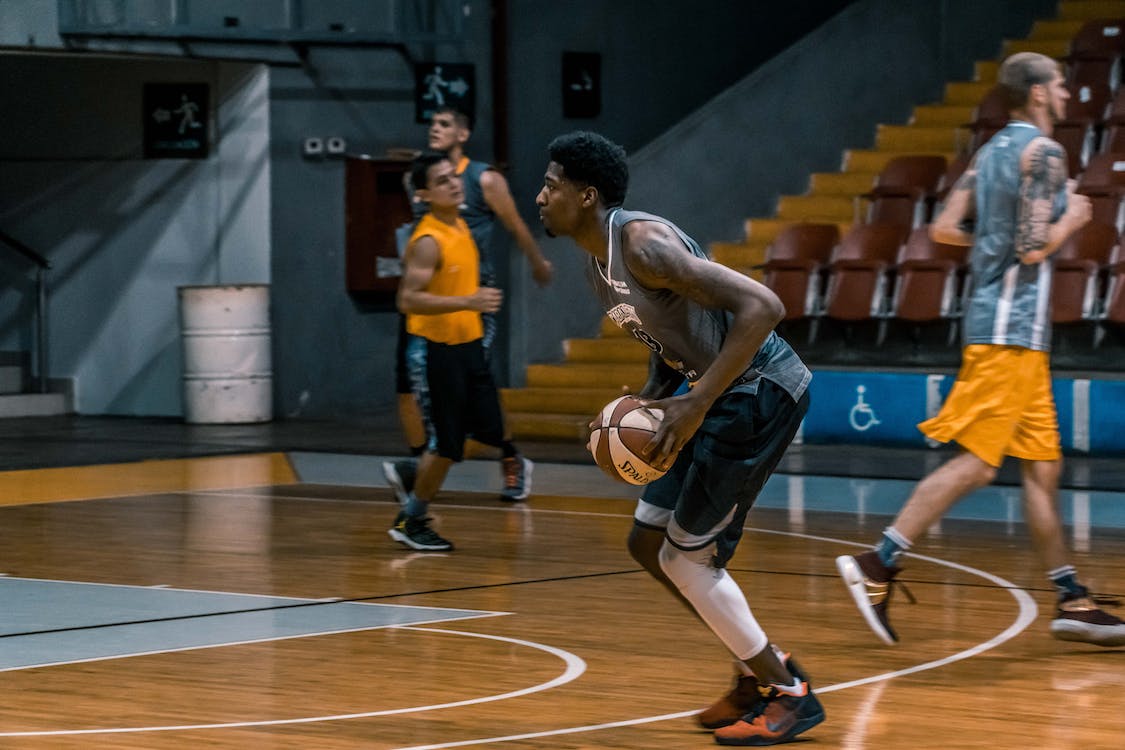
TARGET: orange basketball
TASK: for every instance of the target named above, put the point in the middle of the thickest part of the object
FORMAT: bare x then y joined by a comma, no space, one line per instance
617,442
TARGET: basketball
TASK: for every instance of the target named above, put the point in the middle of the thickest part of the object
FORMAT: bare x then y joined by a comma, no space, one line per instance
621,432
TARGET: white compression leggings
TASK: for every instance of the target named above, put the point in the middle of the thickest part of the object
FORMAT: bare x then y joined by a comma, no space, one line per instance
716,597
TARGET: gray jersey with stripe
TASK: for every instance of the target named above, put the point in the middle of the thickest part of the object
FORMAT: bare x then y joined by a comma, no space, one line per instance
685,334
1009,303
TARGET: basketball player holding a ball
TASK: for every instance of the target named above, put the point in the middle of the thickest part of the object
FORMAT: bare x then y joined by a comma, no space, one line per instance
719,441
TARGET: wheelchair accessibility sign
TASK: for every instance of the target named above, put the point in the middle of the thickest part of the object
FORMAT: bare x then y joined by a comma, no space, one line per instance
875,408
882,408
862,416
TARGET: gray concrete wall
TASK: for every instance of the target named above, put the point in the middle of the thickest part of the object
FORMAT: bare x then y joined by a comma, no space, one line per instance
796,115
120,231
334,353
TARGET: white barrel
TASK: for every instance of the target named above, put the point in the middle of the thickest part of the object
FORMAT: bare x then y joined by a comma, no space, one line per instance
228,372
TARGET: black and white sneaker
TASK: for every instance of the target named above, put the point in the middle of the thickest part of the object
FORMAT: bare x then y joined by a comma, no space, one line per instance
415,533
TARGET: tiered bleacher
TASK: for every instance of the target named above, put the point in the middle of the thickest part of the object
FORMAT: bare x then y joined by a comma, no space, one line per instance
873,304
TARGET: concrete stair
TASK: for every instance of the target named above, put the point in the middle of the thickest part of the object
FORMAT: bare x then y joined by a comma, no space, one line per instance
560,399
17,399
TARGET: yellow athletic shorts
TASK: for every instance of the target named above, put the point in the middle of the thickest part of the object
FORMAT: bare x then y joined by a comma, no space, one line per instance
1001,405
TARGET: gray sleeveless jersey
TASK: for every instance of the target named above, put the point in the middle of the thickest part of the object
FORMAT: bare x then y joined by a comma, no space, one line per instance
1009,303
686,335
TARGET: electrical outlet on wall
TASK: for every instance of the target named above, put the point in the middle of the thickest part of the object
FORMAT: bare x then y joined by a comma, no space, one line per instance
312,147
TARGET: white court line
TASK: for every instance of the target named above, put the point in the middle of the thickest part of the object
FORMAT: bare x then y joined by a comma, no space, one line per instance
575,667
1028,611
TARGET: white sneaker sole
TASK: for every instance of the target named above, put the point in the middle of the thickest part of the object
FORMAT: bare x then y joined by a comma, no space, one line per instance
857,587
401,538
1083,632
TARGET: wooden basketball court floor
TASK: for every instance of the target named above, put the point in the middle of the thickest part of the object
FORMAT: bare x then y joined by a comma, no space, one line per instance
255,601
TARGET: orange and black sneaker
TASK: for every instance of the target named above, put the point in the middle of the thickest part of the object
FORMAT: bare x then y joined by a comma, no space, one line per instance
870,583
1079,618
778,717
741,699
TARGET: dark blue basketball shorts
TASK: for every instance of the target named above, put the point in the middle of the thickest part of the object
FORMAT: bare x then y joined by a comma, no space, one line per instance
707,493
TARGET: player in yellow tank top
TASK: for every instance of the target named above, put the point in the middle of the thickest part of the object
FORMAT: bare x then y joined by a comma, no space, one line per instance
441,296
456,276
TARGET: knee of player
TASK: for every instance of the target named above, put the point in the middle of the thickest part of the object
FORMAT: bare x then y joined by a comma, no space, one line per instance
682,566
985,475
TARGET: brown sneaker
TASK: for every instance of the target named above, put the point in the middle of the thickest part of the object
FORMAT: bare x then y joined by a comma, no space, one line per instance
742,698
733,706
778,717
870,584
1080,619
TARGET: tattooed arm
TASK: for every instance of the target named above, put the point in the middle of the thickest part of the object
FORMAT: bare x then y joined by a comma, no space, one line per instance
658,259
1043,173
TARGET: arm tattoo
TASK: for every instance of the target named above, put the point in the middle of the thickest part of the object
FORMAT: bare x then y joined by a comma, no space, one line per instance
1040,183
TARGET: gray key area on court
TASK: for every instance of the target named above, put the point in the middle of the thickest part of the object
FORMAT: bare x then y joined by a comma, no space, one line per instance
58,622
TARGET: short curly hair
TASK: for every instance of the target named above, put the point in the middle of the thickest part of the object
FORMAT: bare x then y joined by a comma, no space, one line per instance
595,160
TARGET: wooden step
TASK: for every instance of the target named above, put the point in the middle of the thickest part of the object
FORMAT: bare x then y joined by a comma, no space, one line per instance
984,71
741,256
586,401
808,207
1090,10
615,375
605,350
965,92
1055,29
865,160
609,329
914,139
767,228
549,427
1056,48
942,115
841,183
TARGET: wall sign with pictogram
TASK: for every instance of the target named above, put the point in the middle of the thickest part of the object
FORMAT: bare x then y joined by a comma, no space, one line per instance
176,116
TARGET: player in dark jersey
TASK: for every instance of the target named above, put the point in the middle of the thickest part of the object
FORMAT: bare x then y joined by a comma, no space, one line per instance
719,440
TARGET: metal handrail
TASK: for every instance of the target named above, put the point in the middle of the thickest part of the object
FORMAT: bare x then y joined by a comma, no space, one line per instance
42,265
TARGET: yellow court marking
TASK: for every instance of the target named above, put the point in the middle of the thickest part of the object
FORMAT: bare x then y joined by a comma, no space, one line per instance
144,477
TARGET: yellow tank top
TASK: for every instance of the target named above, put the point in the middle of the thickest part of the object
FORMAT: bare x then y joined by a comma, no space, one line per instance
457,275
